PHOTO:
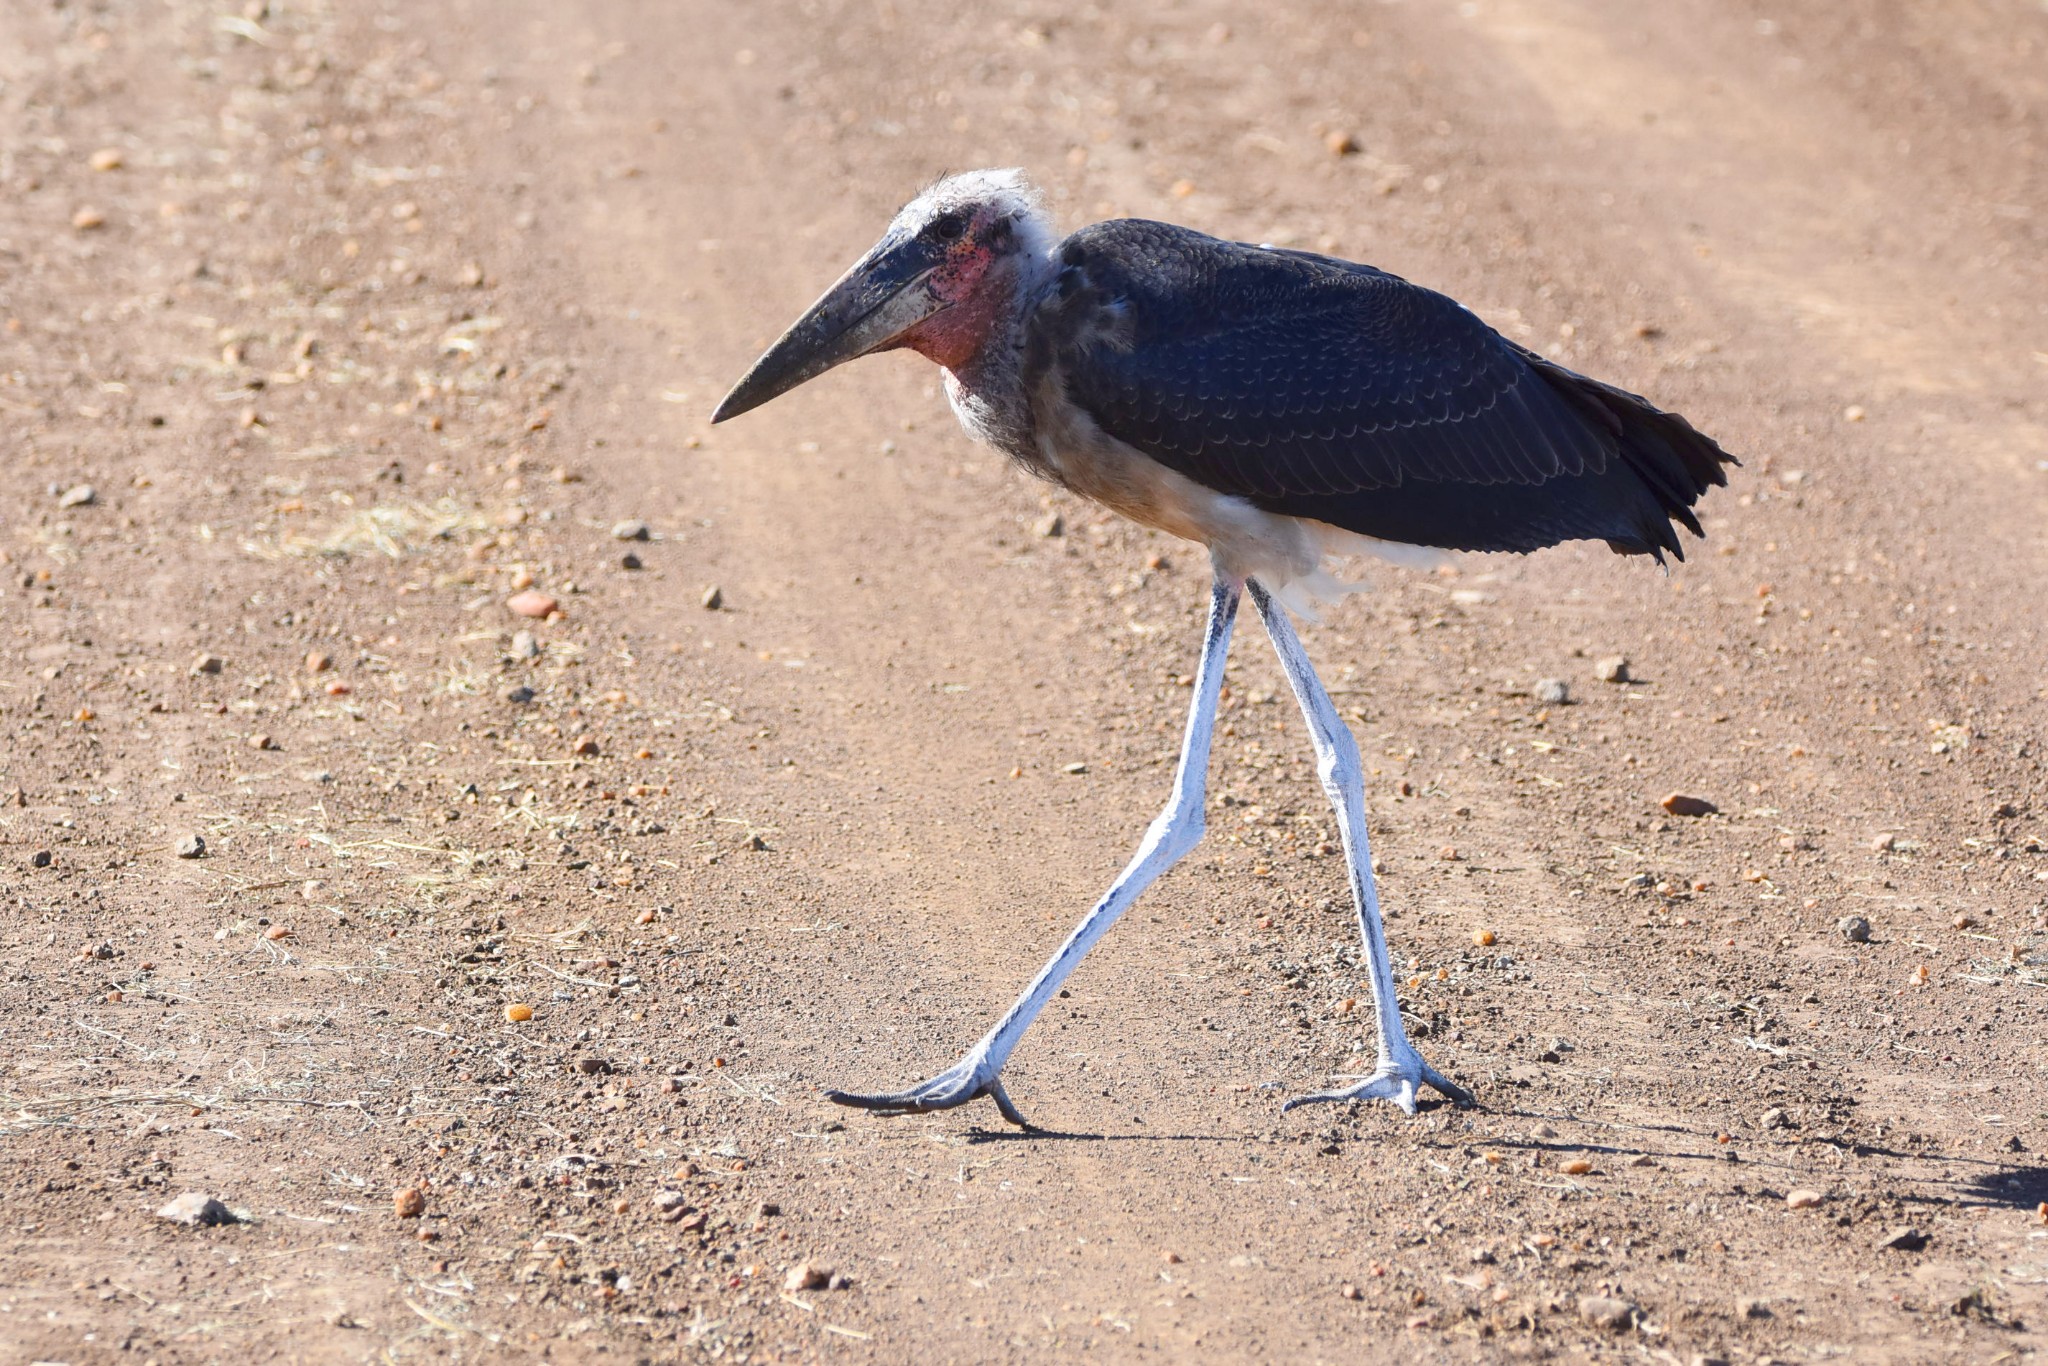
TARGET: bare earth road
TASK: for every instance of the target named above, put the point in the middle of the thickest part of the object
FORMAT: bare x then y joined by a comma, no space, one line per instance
357,319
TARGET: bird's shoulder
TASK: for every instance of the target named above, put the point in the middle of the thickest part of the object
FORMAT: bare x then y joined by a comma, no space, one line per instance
1167,316
1270,372
1165,279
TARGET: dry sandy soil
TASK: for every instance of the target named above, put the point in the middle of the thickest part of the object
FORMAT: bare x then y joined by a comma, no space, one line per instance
357,317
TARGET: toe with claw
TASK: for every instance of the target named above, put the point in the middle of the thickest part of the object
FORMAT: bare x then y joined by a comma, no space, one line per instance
953,1087
1395,1081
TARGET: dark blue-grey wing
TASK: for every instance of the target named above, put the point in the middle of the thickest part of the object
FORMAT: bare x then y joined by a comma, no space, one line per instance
1325,389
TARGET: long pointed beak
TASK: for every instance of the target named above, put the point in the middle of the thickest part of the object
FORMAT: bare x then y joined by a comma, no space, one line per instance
872,305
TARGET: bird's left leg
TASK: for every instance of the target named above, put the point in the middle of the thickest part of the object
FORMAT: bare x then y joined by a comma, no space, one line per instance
1401,1069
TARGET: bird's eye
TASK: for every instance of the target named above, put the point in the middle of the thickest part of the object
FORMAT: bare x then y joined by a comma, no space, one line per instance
947,227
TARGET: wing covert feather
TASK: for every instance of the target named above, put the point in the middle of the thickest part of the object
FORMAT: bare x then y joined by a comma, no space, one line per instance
1274,374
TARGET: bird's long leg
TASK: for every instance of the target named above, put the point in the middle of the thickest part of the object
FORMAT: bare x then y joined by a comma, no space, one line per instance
1401,1069
1172,834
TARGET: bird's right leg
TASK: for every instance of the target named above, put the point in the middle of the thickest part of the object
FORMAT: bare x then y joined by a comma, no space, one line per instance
1172,834
1401,1069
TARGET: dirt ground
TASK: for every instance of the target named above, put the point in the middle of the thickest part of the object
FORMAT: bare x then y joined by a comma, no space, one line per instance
330,327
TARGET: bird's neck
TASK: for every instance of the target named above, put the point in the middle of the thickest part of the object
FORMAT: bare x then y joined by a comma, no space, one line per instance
986,381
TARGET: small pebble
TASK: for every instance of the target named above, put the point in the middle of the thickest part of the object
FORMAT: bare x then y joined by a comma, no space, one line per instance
108,159
192,846
591,1067
1552,692
630,531
78,496
519,693
409,1203
1604,1311
1854,413
1049,527
262,740
276,932
713,599
197,1209
318,662
1341,144
1577,1166
1680,804
585,747
1483,938
1964,920
518,1013
1612,669
525,645
1907,1239
1350,1292
1803,1199
41,858
1884,844
1854,928
86,219
629,561
532,603
208,664
805,1276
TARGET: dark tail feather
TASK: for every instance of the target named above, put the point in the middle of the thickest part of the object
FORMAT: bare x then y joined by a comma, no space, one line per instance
1675,460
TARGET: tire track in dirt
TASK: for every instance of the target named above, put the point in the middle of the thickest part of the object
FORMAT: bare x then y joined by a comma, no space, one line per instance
845,86
1858,244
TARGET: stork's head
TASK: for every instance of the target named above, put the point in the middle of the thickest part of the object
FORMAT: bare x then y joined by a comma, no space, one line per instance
938,283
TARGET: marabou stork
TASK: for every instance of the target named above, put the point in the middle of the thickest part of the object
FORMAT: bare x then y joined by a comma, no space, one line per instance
1276,406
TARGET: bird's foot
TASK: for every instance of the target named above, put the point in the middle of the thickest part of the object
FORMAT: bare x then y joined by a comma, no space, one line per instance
964,1081
1397,1079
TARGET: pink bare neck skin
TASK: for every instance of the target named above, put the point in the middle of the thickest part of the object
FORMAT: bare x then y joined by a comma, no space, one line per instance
954,336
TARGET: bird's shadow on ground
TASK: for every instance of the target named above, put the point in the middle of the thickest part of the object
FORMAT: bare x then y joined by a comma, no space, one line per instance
2017,1187
1036,1134
1968,1180
1014,1135
1973,1180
